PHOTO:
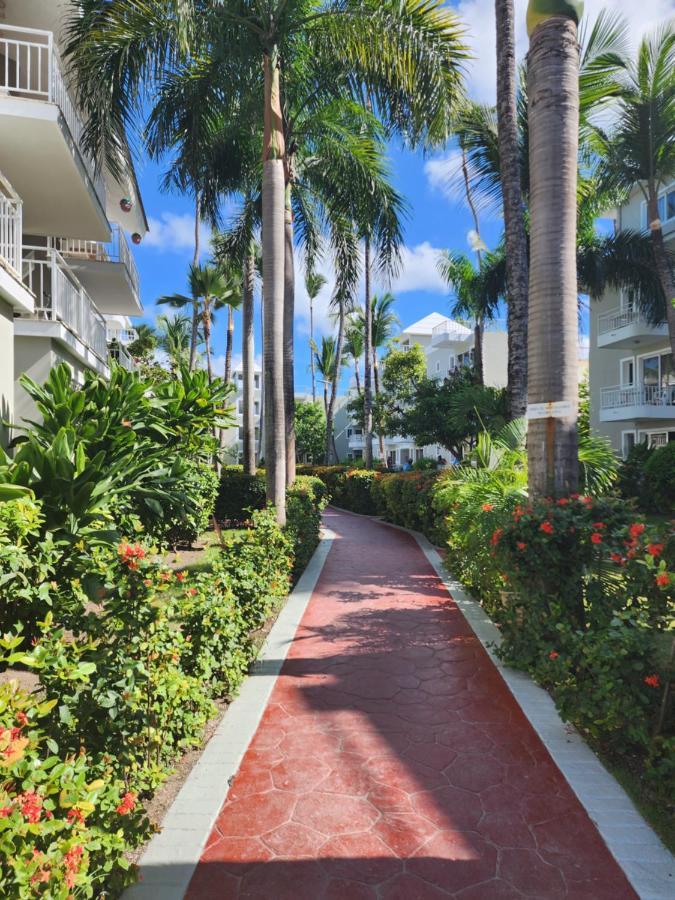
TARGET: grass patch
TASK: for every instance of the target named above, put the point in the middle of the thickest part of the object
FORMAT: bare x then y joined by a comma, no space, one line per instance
202,556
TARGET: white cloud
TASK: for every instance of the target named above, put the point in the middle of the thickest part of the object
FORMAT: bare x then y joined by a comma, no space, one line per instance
418,271
479,17
443,173
175,232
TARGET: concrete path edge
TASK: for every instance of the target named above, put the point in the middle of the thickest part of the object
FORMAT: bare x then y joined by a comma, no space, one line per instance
647,863
169,860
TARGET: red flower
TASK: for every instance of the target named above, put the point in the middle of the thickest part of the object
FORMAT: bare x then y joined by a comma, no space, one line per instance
487,507
599,526
520,545
653,681
563,501
181,576
574,496
30,804
71,861
617,558
596,538
5,812
553,654
496,536
663,579
75,815
546,527
655,549
22,718
192,592
127,803
636,529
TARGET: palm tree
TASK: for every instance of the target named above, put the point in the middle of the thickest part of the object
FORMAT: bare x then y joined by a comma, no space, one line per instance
640,151
553,95
514,222
314,282
210,290
367,354
354,345
145,343
325,362
384,321
470,298
175,333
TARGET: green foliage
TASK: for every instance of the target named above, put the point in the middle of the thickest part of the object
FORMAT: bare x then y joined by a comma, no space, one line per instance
406,499
631,481
659,479
239,494
310,431
201,485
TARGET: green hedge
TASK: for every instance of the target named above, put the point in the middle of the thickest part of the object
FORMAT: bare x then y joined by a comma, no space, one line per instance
239,495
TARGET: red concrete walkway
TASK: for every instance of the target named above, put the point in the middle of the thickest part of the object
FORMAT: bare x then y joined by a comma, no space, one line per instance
392,762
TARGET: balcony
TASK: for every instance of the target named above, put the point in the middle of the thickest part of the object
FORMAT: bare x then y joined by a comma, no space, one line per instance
41,151
626,328
107,271
449,334
64,311
121,356
627,402
12,289
121,335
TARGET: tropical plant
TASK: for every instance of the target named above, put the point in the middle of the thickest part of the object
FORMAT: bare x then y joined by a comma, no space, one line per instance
325,362
143,347
314,283
174,339
553,98
639,150
310,431
354,350
211,289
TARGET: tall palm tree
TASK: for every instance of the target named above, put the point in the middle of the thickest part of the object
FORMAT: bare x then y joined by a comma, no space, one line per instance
640,150
354,346
514,221
553,96
146,341
367,354
314,282
174,339
384,323
325,362
210,290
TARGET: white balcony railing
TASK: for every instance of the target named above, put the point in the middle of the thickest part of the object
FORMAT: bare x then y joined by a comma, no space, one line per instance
451,331
115,251
10,227
30,67
59,297
122,357
122,336
623,396
618,318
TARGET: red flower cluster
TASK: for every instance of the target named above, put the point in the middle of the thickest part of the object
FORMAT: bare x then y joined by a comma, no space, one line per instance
30,804
655,549
496,536
129,554
72,861
520,545
663,579
553,654
75,815
487,507
653,681
181,576
636,529
546,527
563,501
596,538
127,803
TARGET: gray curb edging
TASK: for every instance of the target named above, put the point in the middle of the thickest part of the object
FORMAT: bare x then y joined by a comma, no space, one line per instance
647,863
171,857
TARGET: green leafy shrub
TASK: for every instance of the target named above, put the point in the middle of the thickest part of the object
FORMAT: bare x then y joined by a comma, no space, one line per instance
64,827
306,501
632,472
406,499
201,485
659,479
239,495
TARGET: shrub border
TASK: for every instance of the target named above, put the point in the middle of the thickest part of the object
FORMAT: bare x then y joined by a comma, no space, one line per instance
169,860
647,863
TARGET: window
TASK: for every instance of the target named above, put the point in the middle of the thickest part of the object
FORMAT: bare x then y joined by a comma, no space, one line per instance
438,367
350,432
419,454
627,372
666,206
358,432
241,434
657,370
256,381
358,454
655,438
257,407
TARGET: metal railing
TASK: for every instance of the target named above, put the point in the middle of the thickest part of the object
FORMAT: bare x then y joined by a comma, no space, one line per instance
123,336
116,250
59,297
121,356
10,226
30,67
621,396
452,330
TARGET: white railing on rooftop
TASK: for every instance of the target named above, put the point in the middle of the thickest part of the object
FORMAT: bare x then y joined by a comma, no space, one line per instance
59,297
30,67
621,396
115,251
10,226
453,330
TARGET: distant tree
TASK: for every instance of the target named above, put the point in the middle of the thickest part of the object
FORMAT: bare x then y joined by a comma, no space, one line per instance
310,432
143,348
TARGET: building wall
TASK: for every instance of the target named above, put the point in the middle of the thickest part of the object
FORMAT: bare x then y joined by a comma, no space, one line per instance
36,357
6,368
495,358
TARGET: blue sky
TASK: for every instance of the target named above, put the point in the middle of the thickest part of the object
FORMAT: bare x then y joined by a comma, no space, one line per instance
437,220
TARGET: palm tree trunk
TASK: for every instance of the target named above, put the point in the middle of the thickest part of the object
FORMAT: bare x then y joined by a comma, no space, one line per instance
376,379
514,224
273,239
663,266
553,91
357,377
289,363
478,351
311,345
367,370
330,412
229,339
207,344
195,305
478,328
248,364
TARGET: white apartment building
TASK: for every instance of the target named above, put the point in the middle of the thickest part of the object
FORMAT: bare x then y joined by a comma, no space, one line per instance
447,345
233,443
632,373
66,264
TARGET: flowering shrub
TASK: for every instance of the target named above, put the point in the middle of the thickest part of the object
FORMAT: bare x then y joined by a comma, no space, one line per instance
63,827
406,499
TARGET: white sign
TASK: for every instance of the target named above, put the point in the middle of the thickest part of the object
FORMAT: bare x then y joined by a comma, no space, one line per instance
554,409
